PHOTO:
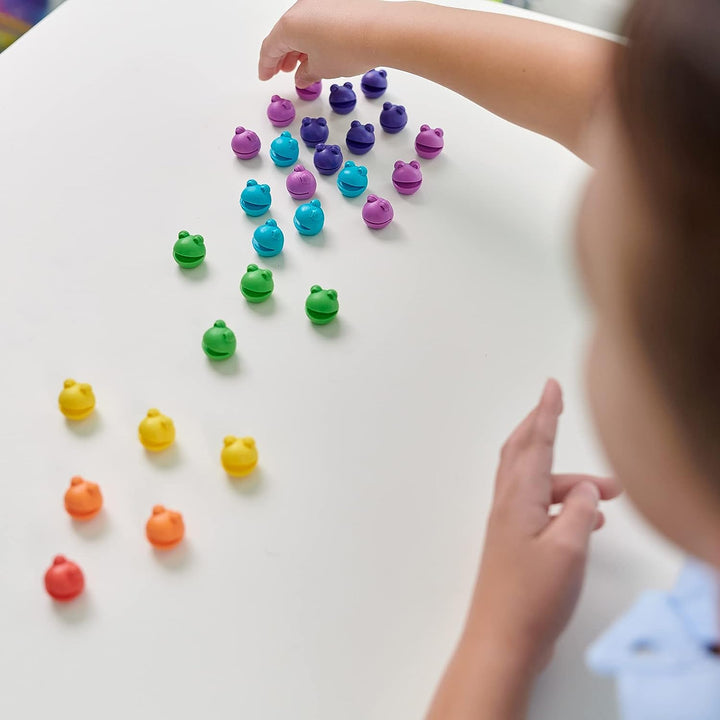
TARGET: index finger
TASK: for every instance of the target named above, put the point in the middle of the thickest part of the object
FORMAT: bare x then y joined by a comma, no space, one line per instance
272,53
526,461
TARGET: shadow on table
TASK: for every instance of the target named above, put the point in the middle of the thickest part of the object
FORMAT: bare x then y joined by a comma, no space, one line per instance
253,484
87,427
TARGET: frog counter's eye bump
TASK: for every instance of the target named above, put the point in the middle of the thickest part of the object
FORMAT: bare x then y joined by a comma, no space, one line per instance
239,129
322,121
271,222
248,442
400,109
362,170
348,85
251,183
355,123
183,234
275,98
399,164
383,73
334,87
265,188
387,105
415,164
306,121
370,127
228,440
252,267
320,147
372,198
424,128
315,289
315,202
332,294
439,132
266,274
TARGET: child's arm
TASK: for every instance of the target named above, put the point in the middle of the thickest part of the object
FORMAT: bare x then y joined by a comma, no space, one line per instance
530,576
540,76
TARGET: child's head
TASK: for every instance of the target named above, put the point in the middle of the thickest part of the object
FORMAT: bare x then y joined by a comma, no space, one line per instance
649,247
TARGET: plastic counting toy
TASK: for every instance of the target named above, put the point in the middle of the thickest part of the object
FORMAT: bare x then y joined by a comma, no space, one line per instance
393,118
309,218
284,149
301,183
280,112
321,305
83,499
352,180
407,177
314,131
428,142
377,212
327,158
342,98
156,431
189,250
374,83
245,143
360,138
64,579
255,199
268,239
76,400
239,456
219,341
257,284
311,92
165,529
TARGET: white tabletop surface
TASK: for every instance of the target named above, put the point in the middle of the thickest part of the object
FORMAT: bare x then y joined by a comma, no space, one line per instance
332,585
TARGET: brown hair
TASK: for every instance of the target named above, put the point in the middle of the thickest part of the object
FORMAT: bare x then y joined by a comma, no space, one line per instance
668,86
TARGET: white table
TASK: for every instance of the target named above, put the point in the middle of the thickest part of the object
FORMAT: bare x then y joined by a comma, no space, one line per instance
333,584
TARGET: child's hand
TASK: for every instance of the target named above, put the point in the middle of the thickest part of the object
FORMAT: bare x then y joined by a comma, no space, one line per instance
530,576
329,38
533,564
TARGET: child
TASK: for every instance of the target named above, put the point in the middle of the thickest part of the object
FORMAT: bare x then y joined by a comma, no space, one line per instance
647,116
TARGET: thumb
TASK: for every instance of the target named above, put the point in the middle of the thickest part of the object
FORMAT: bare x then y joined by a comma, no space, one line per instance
577,519
303,76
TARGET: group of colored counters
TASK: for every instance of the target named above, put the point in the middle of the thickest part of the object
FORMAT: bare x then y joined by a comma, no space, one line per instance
256,285
352,180
83,499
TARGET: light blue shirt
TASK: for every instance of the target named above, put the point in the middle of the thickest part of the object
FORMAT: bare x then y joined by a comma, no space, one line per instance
660,651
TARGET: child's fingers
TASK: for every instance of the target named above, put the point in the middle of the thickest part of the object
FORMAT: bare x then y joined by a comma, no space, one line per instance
304,77
289,62
563,483
272,53
578,517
